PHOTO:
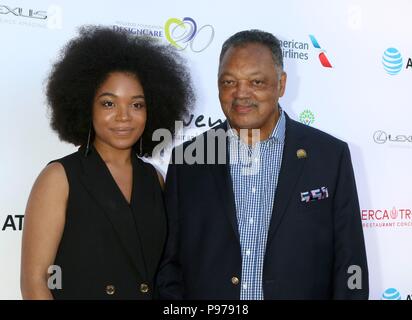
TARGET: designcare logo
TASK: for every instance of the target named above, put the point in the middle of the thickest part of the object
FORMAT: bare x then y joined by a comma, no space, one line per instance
185,33
322,53
393,62
386,218
139,30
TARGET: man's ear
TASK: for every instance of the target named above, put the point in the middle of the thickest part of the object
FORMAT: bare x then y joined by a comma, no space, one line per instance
282,84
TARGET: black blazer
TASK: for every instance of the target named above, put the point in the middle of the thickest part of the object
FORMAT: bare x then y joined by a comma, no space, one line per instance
310,246
110,250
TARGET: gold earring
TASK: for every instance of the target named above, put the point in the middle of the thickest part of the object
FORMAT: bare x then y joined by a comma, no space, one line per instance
88,142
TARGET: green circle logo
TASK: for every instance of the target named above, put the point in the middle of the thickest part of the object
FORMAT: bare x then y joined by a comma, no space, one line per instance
307,117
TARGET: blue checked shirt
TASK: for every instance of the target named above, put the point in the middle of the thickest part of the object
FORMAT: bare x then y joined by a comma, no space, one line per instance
255,171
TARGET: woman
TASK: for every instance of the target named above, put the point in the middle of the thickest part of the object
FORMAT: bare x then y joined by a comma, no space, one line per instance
95,223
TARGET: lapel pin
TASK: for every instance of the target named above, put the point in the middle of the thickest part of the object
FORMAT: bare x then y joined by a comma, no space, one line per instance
301,154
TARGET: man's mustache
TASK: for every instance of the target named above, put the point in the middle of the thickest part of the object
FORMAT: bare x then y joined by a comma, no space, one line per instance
244,103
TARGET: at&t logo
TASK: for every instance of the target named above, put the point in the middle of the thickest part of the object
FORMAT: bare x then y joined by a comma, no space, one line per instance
392,61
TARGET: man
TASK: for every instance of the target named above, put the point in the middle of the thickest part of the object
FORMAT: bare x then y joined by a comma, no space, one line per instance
280,218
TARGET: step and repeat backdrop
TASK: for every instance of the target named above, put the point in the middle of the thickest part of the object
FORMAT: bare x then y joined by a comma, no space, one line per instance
349,66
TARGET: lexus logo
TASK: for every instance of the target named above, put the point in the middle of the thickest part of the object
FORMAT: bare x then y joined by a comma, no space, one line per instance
381,137
23,12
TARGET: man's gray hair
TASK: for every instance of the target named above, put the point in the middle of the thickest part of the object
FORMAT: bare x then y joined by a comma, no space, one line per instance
255,36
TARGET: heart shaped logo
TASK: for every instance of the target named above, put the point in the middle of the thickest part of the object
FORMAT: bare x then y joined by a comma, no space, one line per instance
180,31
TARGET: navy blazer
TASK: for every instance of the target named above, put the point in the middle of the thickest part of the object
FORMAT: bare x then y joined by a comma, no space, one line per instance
310,245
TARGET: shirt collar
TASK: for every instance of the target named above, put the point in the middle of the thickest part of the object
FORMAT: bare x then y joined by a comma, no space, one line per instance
278,132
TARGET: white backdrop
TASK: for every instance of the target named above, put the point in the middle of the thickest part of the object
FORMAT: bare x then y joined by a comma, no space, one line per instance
356,99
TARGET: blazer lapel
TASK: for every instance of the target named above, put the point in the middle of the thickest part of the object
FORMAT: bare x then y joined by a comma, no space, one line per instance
146,216
290,171
100,184
223,180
